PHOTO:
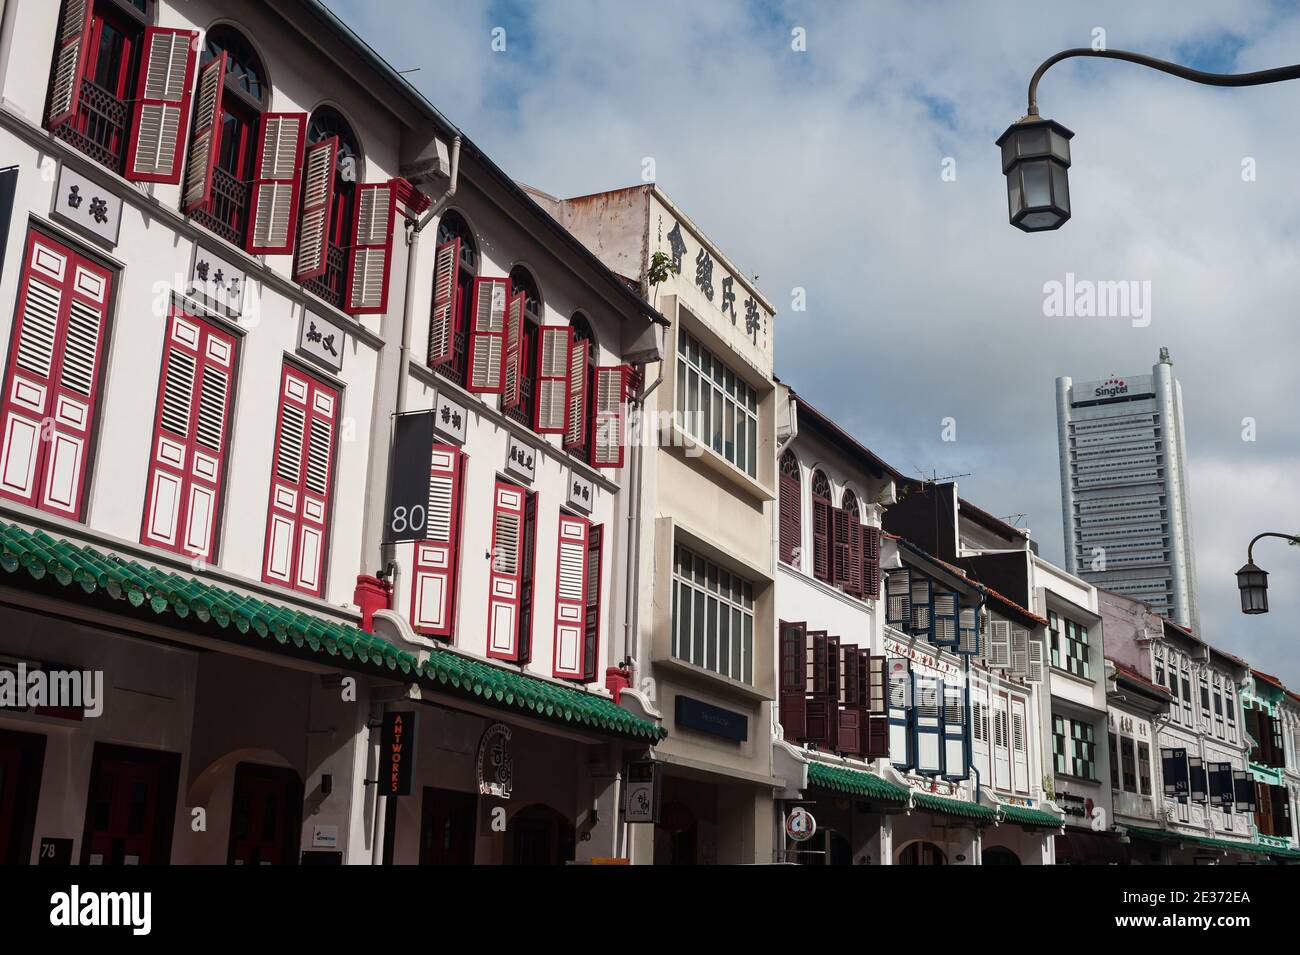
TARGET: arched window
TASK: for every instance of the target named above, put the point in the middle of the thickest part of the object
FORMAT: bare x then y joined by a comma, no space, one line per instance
822,506
234,134
921,853
582,333
453,228
327,123
523,283
999,855
848,531
791,528
849,505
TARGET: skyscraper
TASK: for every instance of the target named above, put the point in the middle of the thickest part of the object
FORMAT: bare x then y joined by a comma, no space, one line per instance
1124,496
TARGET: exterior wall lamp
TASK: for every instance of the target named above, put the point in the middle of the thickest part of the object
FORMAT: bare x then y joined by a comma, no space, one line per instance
1252,581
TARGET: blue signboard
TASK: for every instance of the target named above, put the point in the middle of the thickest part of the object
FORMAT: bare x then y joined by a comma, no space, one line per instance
714,720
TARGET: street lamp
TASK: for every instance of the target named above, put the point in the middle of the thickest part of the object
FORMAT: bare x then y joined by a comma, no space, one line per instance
1036,151
1252,581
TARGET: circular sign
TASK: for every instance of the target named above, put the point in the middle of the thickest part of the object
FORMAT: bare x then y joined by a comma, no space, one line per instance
800,825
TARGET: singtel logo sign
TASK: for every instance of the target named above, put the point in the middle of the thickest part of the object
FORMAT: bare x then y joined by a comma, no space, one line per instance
1110,389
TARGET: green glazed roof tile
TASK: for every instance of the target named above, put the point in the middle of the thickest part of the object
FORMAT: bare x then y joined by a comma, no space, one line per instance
1166,835
96,571
953,807
1030,818
855,782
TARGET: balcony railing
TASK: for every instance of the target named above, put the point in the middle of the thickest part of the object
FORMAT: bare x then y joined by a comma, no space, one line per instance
330,286
99,128
227,211
523,412
454,370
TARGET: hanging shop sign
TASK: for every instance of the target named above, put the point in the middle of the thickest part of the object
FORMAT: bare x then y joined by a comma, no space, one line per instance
800,825
643,792
406,516
1176,774
495,767
397,753
321,340
87,206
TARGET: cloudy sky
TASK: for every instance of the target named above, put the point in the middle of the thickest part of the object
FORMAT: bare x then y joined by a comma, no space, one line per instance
822,169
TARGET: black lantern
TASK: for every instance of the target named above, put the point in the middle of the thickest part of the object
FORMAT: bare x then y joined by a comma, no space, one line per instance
1253,584
1035,157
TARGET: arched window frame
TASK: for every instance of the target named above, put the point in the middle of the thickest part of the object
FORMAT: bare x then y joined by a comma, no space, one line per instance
822,507
328,279
791,509
523,281
452,226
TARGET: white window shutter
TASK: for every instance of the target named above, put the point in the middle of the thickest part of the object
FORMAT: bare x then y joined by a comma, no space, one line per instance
1019,652
570,599
927,721
610,425
274,204
317,202
206,141
552,382
955,763
898,598
1000,645
487,336
575,425
69,61
921,605
434,580
1035,660
442,318
505,579
162,105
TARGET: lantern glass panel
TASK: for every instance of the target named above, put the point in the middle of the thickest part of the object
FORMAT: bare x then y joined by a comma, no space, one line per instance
1037,183
1060,187
1033,141
1015,198
1060,146
1040,220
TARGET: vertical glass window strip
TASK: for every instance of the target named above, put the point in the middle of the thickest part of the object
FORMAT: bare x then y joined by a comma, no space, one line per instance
717,407
713,617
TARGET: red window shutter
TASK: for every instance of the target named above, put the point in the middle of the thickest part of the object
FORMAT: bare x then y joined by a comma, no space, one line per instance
575,426
571,598
871,562
512,394
505,583
822,539
372,249
274,205
555,345
789,518
793,675
161,112
442,319
206,144
610,422
437,558
297,520
487,339
191,425
72,45
317,201
52,379
591,624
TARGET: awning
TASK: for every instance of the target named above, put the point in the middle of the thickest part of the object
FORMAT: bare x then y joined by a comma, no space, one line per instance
1089,848
954,807
1224,845
1030,818
854,782
105,577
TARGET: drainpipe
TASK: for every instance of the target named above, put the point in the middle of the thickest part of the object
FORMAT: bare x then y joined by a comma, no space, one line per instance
637,482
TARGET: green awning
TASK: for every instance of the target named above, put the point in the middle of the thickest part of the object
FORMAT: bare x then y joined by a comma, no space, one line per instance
1167,835
855,782
105,576
1030,818
953,807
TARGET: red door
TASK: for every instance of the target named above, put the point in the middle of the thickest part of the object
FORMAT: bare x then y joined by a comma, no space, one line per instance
123,812
10,766
447,827
265,816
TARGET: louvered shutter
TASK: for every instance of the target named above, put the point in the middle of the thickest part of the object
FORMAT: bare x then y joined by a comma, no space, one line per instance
922,608
512,389
609,425
575,426
1243,791
955,760
789,518
191,424
206,143
1035,674
900,711
1000,645
968,629
818,706
52,380
318,177
840,548
273,206
856,543
505,583
487,336
822,569
1263,809
442,318
591,622
436,574
554,345
162,105
793,675
297,527
1019,652
877,746
372,249
927,724
898,599
871,562
945,619
834,692
570,598
1019,747
73,43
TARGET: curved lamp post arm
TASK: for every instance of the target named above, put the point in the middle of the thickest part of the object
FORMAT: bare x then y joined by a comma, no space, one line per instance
1251,547
1258,78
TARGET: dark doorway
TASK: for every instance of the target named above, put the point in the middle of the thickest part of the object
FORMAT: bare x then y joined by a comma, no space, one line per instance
922,853
676,836
265,816
130,806
447,828
21,757
540,836
998,855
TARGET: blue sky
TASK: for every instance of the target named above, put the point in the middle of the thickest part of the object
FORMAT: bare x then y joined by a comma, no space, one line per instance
821,170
